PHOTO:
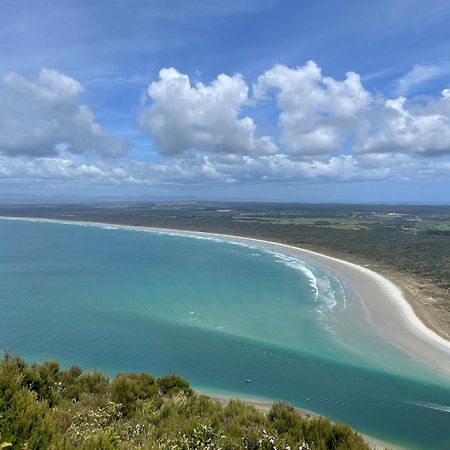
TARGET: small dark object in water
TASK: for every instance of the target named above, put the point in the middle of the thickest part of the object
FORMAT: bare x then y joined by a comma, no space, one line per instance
248,381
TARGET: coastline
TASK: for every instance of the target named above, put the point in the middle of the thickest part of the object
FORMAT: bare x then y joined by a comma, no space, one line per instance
421,301
390,294
265,406
387,309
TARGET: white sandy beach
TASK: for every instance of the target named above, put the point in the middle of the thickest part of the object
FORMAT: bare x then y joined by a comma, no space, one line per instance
386,308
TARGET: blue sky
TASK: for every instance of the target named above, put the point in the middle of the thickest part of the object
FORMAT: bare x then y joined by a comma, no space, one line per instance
279,100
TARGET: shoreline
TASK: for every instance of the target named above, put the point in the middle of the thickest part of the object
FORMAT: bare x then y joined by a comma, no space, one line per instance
411,288
265,406
387,310
363,279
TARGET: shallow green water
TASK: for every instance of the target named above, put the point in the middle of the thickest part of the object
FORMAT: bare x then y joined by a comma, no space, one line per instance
216,313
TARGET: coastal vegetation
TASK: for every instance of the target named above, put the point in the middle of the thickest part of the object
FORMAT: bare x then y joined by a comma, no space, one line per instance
45,407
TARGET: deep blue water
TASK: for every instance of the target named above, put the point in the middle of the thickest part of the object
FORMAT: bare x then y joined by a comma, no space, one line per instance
216,313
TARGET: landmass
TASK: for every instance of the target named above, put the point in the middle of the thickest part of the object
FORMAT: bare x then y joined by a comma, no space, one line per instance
408,244
44,407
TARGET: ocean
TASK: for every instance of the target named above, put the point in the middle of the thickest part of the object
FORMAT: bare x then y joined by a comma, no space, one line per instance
217,313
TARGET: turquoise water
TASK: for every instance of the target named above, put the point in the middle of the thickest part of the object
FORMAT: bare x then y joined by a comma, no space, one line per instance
218,314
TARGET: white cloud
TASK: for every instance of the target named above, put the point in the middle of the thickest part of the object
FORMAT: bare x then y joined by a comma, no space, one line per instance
205,170
317,112
202,117
107,172
322,116
421,74
319,117
402,126
38,118
281,168
329,130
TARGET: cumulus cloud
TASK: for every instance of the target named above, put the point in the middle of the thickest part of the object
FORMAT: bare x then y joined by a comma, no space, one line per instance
329,129
402,126
323,116
319,117
317,112
201,117
39,118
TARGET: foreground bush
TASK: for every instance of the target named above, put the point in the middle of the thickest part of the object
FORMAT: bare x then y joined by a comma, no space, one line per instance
44,407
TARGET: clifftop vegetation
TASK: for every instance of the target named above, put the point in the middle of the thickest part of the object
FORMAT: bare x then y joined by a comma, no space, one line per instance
44,407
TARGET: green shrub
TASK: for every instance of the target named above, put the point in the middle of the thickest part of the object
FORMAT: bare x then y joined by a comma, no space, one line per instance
42,407
24,420
129,389
172,384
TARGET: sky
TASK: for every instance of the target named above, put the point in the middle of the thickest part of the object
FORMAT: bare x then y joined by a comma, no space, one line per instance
271,100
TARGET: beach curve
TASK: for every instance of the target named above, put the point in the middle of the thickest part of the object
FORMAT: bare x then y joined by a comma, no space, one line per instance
387,310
